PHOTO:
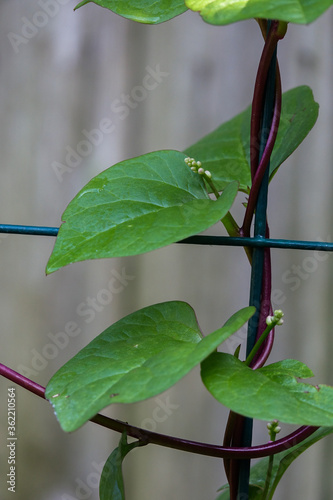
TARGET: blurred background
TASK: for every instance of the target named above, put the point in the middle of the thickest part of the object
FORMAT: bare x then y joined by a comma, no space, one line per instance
61,75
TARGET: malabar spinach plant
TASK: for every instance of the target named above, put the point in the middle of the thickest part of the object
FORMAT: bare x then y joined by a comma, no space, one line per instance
168,196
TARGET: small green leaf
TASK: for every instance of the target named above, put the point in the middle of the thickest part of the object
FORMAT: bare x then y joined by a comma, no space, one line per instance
268,393
281,463
138,357
225,152
226,12
285,458
142,11
111,486
137,206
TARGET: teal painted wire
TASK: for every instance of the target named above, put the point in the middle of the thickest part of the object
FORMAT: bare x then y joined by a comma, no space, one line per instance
256,241
34,230
259,242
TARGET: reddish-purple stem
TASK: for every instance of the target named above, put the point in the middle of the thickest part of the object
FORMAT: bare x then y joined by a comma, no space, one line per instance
265,310
170,441
234,465
21,380
258,95
260,171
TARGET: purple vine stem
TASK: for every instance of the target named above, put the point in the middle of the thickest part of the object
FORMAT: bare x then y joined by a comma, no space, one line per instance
149,437
259,166
260,171
258,96
265,310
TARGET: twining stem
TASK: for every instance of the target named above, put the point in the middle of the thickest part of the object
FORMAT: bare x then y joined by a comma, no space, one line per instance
263,106
173,442
274,35
233,437
227,440
260,172
265,309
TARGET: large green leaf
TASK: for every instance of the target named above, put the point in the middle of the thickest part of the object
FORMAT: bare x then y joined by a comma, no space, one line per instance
226,150
136,206
230,11
269,393
138,357
281,463
142,11
111,486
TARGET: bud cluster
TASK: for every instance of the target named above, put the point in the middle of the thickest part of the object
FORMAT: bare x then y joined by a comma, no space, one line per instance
276,319
273,429
196,166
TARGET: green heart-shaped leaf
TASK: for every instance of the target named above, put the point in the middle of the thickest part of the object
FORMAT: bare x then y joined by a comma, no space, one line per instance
225,152
230,11
138,357
111,486
269,393
142,11
136,206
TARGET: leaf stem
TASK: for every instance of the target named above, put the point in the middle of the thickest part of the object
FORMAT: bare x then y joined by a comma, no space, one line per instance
275,321
268,477
231,226
228,221
211,184
274,429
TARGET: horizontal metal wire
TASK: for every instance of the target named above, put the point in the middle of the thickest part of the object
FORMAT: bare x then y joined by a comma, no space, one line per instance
259,242
36,230
195,240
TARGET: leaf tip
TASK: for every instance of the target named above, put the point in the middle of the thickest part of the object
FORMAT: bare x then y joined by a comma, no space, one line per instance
84,2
